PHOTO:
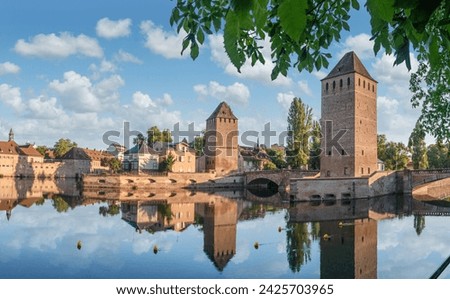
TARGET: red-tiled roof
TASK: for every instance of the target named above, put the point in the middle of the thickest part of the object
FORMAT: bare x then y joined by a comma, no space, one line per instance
29,150
9,148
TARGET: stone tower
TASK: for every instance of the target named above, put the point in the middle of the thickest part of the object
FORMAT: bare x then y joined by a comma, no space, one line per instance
221,140
349,120
11,135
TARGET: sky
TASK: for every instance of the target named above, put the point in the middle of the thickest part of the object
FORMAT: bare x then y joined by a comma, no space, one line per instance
81,69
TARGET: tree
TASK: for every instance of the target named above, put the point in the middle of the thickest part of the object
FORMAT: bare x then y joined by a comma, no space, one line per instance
393,154
114,164
438,155
418,147
154,134
419,224
168,162
199,145
139,139
62,146
60,204
278,157
42,149
299,33
314,156
300,124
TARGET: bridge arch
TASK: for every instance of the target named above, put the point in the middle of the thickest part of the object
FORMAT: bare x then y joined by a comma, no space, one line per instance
262,187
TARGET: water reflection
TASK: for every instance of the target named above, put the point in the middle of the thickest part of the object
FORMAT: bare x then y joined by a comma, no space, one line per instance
340,237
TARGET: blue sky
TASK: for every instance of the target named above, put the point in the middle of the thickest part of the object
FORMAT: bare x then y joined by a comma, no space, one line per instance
79,69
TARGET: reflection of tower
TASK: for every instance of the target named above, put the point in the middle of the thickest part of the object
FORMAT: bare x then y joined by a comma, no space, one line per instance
351,252
221,140
220,231
349,104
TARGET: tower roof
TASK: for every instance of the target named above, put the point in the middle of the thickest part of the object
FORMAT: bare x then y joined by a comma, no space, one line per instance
350,63
223,111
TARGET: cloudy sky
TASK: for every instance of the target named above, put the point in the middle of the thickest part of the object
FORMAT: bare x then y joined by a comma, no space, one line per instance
81,69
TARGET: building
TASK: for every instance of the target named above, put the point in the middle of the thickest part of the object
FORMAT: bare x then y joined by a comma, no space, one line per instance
221,141
253,159
141,157
78,161
183,155
349,120
19,160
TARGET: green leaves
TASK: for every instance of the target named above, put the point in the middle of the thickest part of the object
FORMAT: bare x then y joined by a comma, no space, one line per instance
231,35
382,9
292,14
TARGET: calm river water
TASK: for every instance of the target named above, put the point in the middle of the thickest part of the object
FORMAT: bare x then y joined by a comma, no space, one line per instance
60,232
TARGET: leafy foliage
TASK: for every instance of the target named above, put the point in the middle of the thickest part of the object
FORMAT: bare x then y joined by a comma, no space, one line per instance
418,147
301,31
393,154
62,146
300,124
168,162
154,134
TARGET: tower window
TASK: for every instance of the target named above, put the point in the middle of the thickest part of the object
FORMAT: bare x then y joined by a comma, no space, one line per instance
364,83
348,81
329,153
362,152
326,86
359,82
368,170
345,170
368,85
362,170
334,84
343,153
340,83
373,88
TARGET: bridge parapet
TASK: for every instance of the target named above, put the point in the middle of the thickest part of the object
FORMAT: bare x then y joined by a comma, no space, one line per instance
415,178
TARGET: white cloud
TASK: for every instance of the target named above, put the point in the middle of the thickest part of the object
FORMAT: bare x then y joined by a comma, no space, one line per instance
11,96
360,44
110,29
80,95
167,44
43,108
285,99
8,68
143,101
64,45
123,56
236,93
304,87
259,72
391,75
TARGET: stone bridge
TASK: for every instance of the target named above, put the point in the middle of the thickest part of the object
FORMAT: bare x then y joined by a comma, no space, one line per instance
415,179
275,179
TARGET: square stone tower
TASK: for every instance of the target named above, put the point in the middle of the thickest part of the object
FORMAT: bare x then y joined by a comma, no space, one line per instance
221,141
349,120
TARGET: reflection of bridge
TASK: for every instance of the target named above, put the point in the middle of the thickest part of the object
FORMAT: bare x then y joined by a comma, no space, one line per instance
277,179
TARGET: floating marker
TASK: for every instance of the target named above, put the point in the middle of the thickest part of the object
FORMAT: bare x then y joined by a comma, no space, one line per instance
79,245
256,245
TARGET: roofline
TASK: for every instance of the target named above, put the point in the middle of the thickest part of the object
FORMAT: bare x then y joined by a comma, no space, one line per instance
351,72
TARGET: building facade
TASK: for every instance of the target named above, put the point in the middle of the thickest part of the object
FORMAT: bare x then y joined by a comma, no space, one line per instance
221,141
349,120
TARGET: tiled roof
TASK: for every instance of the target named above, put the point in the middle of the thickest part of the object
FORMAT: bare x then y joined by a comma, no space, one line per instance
9,148
350,63
78,153
222,111
141,149
29,150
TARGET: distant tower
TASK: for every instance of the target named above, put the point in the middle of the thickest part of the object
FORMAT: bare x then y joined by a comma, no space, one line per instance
11,135
349,104
221,140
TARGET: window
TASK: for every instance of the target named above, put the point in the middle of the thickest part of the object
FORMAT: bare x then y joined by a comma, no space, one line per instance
362,170
359,82
364,83
348,81
345,170
368,85
368,170
334,84
328,173
341,83
342,152
326,86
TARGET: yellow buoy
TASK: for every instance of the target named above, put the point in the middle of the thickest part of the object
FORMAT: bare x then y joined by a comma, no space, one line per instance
326,237
279,229
155,249
256,245
79,245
